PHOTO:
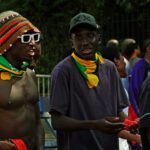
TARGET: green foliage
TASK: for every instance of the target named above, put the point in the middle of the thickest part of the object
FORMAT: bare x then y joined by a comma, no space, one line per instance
52,17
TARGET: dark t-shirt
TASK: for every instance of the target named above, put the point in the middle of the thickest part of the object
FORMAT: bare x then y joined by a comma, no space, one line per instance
71,96
144,104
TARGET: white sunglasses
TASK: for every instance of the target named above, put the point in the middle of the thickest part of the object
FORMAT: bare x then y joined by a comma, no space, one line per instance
26,38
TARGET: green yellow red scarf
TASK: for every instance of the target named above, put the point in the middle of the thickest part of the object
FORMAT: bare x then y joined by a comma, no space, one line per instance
7,71
88,68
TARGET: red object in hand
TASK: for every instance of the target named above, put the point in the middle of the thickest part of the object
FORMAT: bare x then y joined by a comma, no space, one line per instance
130,124
19,144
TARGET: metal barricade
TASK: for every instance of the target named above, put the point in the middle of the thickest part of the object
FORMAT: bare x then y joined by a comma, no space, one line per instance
43,83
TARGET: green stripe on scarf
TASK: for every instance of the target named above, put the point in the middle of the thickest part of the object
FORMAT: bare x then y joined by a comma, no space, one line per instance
82,69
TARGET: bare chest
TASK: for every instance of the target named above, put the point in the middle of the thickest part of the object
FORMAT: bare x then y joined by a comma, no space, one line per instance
18,91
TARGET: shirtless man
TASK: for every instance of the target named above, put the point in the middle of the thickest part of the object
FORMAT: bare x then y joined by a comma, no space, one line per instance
20,47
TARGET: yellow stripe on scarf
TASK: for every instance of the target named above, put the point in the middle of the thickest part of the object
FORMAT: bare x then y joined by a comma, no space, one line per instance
90,67
12,71
92,81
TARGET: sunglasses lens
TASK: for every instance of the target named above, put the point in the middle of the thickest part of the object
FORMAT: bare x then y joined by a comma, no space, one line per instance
26,38
36,37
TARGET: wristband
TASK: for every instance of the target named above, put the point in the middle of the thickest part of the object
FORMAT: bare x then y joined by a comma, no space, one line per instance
19,144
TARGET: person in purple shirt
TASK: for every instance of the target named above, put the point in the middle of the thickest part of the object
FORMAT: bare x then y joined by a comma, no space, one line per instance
138,75
144,106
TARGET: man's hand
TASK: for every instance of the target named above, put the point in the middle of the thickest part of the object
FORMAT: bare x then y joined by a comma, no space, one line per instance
6,145
131,126
111,125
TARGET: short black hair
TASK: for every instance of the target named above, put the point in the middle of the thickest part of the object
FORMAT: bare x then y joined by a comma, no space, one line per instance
145,45
111,53
128,47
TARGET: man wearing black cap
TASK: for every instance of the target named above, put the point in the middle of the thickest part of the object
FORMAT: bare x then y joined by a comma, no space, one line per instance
85,90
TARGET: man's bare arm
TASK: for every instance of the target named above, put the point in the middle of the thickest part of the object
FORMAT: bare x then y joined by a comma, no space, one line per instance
108,125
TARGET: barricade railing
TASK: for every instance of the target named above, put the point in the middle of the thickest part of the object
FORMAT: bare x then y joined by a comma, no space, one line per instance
43,83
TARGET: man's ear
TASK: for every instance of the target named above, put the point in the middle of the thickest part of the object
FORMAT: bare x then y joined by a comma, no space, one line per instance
71,42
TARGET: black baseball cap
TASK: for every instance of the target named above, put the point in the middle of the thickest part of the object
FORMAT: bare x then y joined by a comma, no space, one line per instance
83,19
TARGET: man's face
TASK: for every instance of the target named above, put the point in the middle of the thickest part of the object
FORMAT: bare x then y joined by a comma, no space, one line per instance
85,42
26,48
121,66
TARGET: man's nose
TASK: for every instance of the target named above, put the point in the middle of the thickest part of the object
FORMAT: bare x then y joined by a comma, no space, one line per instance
85,41
32,42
